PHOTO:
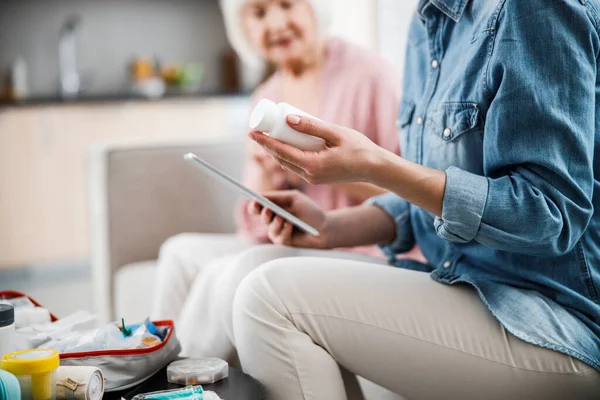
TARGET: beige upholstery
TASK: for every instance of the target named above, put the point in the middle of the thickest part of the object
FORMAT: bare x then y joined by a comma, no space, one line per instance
132,291
141,194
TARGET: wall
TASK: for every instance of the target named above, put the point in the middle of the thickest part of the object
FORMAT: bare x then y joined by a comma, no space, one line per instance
394,18
113,31
356,20
380,25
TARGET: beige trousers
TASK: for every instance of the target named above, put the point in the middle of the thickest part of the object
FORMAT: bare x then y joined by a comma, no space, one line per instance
296,321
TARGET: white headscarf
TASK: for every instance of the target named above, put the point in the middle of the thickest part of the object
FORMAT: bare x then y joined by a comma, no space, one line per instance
232,13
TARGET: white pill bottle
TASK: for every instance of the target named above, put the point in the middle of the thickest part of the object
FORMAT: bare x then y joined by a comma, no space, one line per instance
7,329
270,118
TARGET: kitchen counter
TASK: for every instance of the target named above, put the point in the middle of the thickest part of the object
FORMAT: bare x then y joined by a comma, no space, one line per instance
117,98
44,148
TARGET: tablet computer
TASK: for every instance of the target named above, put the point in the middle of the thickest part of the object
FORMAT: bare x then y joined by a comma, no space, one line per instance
263,201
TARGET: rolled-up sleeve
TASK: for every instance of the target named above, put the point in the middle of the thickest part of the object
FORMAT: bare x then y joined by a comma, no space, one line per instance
399,210
464,202
536,196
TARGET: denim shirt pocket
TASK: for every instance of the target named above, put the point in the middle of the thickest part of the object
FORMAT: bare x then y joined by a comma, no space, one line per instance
405,116
454,137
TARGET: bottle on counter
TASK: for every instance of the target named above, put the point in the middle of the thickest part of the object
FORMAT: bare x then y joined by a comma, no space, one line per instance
19,79
270,118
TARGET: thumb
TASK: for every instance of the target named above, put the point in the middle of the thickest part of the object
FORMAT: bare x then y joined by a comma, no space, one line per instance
283,198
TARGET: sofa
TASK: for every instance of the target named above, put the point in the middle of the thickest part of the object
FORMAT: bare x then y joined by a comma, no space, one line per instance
140,194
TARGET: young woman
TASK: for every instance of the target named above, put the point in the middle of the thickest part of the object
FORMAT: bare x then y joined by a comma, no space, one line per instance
500,188
326,77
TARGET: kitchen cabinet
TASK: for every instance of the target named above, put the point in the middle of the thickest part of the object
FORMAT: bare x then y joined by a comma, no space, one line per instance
43,153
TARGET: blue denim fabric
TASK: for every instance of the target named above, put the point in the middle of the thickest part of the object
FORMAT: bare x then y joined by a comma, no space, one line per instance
504,95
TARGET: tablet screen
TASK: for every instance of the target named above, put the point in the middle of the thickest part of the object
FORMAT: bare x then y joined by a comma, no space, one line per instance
251,194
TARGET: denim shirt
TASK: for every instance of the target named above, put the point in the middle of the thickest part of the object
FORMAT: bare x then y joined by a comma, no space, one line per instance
504,96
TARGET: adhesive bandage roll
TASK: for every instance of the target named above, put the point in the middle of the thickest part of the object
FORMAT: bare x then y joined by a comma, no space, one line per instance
79,383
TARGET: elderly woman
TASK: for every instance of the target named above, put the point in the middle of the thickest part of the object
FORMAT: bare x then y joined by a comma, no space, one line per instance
327,77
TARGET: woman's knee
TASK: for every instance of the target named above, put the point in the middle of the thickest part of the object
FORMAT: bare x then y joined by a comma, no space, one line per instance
178,244
255,296
251,259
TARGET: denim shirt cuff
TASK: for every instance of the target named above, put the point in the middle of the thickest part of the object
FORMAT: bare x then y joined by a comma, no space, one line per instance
464,202
399,210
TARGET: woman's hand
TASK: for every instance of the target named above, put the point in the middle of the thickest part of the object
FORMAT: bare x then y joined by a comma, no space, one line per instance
348,157
272,176
351,157
282,232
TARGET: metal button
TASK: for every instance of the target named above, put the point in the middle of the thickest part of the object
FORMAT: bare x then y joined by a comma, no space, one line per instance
435,64
447,264
419,121
447,133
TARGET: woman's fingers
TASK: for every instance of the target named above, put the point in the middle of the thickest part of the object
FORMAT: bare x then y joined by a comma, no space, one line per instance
283,198
254,208
286,233
292,168
314,127
266,216
275,228
280,231
278,149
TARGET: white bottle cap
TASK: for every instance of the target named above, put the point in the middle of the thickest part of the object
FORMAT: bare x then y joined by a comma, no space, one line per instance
264,116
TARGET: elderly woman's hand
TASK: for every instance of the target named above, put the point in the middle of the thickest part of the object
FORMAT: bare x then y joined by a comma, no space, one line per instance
349,156
282,232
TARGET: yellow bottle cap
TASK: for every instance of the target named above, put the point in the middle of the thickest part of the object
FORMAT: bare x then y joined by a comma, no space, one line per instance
28,362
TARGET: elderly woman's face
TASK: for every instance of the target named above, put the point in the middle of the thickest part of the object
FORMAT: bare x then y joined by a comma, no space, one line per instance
282,30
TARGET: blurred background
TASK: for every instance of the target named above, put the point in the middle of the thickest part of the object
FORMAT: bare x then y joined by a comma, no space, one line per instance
76,74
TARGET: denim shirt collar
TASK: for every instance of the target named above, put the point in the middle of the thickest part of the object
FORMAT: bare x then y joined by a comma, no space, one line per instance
454,9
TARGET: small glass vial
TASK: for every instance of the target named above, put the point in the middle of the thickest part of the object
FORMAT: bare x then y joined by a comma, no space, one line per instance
270,118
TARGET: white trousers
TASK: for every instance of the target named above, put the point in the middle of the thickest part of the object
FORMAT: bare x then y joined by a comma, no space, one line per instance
197,278
296,321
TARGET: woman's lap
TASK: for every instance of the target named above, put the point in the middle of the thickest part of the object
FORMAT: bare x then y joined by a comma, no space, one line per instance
205,324
294,319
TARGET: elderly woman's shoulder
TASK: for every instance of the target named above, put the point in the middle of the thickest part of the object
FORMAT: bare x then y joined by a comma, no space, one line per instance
350,58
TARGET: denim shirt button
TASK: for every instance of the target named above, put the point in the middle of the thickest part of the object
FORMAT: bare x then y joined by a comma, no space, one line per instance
582,2
447,264
420,121
435,64
447,133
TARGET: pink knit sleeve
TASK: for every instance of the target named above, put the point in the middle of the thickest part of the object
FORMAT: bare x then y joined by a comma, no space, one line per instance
250,226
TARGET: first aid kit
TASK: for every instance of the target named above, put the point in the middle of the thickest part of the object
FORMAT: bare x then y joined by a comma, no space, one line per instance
122,368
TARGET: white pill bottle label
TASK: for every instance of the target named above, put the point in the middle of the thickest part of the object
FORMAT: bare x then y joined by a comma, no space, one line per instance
270,118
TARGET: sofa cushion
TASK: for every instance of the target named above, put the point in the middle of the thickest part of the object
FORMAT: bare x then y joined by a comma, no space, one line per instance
134,288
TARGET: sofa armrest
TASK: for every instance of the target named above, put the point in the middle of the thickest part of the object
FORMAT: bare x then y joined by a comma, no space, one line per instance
141,194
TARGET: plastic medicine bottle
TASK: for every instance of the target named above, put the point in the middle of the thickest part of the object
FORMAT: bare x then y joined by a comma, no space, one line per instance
270,118
7,329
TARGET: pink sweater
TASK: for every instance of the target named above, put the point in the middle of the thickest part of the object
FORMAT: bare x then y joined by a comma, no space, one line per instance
361,92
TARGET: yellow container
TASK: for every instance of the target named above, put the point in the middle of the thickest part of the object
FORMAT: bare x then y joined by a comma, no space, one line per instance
36,372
